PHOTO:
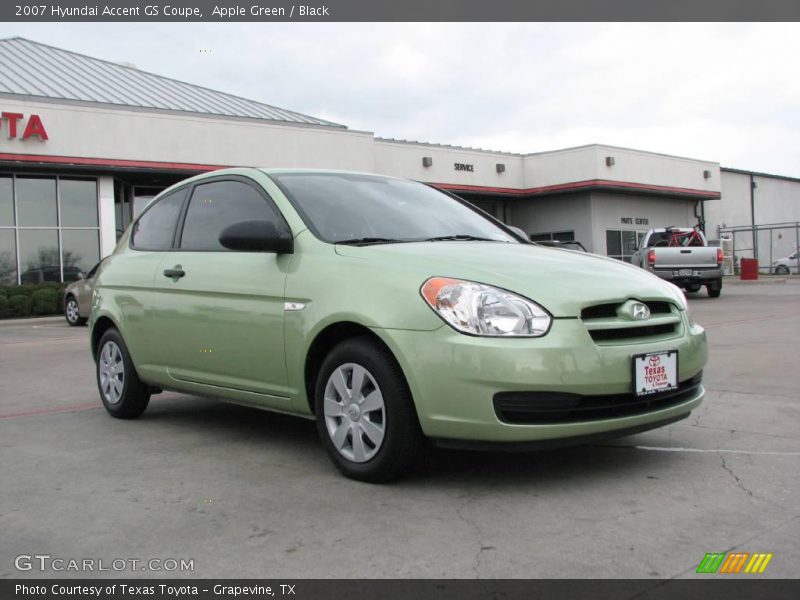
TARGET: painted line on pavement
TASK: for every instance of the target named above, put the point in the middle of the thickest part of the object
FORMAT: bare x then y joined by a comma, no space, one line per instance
51,411
702,450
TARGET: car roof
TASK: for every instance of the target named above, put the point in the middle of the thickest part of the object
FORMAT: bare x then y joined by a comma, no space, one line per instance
269,171
307,171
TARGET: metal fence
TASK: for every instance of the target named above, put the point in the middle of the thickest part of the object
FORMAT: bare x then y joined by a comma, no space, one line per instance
775,245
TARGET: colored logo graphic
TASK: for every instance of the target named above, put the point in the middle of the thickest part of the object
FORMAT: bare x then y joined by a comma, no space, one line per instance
734,562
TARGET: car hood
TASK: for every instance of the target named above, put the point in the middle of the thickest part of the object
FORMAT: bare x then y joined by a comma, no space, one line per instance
562,281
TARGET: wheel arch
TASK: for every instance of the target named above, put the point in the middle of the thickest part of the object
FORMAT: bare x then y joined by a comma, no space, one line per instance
67,297
101,325
325,341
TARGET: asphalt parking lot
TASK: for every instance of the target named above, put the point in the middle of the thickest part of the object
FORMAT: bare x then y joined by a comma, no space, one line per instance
250,494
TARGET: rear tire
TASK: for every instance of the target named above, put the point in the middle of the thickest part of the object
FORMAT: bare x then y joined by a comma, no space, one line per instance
122,392
714,289
71,314
781,270
365,413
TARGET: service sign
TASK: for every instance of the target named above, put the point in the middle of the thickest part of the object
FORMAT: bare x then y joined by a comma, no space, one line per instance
655,372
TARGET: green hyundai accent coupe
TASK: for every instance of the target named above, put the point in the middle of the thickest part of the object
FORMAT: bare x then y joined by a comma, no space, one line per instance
388,311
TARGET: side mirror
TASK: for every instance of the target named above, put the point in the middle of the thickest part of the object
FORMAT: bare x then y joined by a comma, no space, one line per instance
81,275
519,232
256,236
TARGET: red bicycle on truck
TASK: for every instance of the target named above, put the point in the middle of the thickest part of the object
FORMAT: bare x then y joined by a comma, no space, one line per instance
683,238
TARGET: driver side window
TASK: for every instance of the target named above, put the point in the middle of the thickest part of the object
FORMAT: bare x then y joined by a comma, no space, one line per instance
216,205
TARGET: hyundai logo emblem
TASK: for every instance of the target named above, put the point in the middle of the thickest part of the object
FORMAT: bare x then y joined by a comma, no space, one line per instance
639,311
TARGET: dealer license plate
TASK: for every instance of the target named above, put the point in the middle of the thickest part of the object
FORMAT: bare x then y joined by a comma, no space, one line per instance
655,372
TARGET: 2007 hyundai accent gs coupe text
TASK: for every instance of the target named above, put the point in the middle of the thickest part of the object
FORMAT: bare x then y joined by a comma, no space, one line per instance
389,312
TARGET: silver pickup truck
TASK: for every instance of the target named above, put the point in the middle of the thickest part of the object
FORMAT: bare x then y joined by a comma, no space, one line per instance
682,256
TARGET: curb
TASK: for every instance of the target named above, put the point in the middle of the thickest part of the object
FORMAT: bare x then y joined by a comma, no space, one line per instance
735,280
32,320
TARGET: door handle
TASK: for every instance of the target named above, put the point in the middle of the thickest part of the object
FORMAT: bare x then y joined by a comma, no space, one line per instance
686,251
175,273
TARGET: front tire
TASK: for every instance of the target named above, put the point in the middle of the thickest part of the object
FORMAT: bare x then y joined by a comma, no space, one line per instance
71,313
122,392
781,270
365,413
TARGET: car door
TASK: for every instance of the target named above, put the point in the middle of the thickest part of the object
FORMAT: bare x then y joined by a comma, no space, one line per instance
219,313
130,282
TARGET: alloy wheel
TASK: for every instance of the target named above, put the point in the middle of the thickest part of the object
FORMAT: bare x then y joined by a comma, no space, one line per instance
112,372
355,413
72,310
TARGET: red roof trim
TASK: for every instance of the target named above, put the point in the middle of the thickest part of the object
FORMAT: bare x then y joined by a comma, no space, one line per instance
578,185
107,162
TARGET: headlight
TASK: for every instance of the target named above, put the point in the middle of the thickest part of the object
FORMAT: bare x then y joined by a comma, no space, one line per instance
479,309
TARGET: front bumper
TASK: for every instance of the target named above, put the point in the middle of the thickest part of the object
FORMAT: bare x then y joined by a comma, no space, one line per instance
454,378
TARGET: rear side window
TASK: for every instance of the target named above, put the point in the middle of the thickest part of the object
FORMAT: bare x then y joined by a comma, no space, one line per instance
216,205
156,227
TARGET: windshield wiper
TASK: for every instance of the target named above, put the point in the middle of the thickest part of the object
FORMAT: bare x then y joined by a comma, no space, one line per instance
461,237
364,241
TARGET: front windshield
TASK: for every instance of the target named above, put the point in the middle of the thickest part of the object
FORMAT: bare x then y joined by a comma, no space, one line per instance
345,207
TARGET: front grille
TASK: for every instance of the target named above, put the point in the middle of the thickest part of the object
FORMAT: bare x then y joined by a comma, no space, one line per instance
548,408
605,325
604,335
609,311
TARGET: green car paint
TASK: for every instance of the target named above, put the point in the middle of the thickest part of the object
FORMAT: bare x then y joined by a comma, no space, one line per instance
223,330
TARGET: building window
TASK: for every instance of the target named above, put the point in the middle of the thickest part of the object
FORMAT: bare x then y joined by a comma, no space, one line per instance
37,205
621,244
6,202
560,236
49,228
8,256
78,199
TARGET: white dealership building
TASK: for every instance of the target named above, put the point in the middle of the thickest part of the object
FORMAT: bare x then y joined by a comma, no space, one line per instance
85,143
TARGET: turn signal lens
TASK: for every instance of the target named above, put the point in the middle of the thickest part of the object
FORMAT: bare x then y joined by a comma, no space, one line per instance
479,309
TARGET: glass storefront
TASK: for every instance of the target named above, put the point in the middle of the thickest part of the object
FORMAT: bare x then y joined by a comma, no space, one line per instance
621,244
131,199
557,236
49,228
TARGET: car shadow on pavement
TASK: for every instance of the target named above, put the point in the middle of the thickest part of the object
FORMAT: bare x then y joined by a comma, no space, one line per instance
262,432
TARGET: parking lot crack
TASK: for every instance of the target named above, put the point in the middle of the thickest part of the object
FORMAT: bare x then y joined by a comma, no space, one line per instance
473,524
739,483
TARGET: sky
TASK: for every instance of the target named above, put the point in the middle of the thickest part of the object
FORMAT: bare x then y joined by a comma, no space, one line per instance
728,93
